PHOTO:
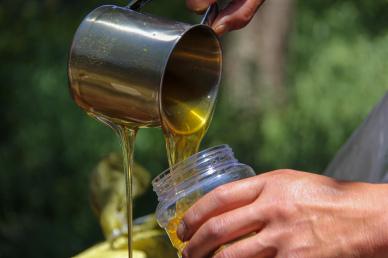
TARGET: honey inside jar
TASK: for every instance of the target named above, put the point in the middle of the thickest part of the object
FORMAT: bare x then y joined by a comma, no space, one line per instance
172,233
179,187
181,207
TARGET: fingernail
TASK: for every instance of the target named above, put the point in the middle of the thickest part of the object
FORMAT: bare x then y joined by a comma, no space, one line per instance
197,6
200,11
181,230
221,29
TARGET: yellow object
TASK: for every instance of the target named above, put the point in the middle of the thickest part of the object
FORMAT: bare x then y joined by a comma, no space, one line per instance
185,125
103,250
171,231
107,191
148,242
181,207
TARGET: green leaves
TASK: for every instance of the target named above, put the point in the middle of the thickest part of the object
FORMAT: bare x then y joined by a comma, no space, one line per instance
337,70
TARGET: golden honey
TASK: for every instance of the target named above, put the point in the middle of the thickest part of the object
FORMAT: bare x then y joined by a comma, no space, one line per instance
181,207
184,124
185,120
181,186
186,115
171,231
184,127
172,227
179,147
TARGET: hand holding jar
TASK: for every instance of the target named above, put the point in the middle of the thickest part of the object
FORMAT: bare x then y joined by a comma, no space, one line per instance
291,214
179,187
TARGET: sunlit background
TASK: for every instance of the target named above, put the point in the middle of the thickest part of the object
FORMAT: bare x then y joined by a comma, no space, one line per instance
296,83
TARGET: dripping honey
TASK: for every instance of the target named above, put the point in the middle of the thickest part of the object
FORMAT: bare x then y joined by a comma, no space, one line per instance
186,109
184,127
185,120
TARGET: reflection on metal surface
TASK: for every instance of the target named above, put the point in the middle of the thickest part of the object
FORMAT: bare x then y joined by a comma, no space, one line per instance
131,70
138,31
122,62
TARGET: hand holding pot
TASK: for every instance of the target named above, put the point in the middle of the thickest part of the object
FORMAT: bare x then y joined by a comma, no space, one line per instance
236,15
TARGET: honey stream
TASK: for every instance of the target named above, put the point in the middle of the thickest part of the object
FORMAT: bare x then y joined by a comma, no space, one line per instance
127,135
183,132
186,109
184,125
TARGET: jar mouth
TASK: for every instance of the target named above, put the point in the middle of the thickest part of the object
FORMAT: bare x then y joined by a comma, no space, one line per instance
203,162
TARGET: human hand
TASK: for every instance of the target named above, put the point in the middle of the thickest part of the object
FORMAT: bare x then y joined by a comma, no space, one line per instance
236,15
294,214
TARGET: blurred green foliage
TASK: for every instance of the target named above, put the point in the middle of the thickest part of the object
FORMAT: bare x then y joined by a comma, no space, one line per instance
337,70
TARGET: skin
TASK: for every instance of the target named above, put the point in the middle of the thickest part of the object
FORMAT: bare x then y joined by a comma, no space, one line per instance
284,213
289,214
236,15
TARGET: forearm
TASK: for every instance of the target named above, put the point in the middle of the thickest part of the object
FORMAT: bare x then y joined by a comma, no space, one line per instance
293,214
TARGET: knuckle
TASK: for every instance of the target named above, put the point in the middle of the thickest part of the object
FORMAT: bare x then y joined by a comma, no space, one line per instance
276,210
251,214
226,253
270,207
277,236
215,228
245,18
283,211
283,172
283,208
282,176
290,172
242,20
221,194
191,218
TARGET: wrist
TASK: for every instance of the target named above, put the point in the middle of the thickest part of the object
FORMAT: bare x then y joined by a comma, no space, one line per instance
380,223
370,206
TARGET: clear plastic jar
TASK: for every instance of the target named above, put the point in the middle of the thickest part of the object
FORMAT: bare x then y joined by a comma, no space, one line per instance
179,187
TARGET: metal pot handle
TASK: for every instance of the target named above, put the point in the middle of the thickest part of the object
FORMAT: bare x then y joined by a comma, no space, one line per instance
211,14
208,18
136,5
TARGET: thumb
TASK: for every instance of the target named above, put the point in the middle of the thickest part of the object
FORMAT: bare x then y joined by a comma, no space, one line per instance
236,15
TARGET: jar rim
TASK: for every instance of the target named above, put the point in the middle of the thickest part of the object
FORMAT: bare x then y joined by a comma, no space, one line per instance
161,182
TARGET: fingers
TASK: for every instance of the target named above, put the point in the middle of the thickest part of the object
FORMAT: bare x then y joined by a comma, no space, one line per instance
223,229
236,15
199,5
224,198
252,247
